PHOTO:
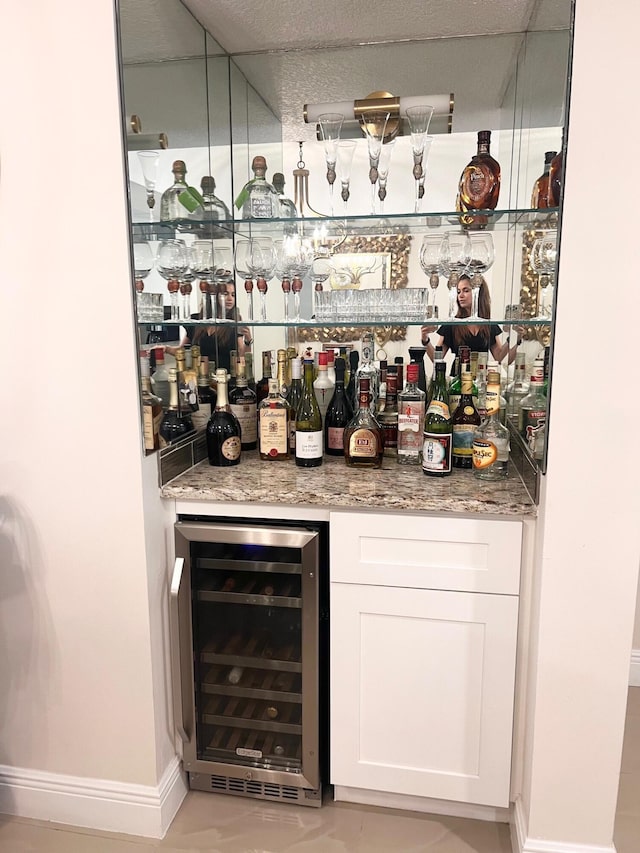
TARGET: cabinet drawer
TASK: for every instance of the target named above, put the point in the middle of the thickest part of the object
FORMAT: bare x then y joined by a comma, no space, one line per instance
474,555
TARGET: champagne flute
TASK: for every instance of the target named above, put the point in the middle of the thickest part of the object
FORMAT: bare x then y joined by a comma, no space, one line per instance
149,163
419,118
330,128
172,264
375,127
455,255
482,257
346,150
383,171
431,263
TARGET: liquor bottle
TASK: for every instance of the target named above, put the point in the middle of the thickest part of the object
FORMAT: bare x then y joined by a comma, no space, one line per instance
287,207
411,409
151,406
322,384
206,398
187,382
258,198
399,363
293,398
212,211
388,417
416,354
438,358
224,442
533,410
308,423
479,185
180,202
281,372
491,438
382,386
331,366
339,413
274,415
352,395
464,421
368,370
436,447
160,378
556,176
233,367
363,439
517,389
248,363
175,424
243,405
481,383
540,194
262,387
455,388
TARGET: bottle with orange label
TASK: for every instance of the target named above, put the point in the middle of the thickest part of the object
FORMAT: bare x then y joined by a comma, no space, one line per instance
491,438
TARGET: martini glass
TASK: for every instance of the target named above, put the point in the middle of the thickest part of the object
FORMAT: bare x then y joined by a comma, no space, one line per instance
482,257
330,128
431,263
375,127
419,119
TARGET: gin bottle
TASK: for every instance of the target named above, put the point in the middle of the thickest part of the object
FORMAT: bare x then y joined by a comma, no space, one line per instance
258,199
491,438
411,405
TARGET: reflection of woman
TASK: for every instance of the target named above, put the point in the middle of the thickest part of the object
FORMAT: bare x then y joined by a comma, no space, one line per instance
479,338
217,342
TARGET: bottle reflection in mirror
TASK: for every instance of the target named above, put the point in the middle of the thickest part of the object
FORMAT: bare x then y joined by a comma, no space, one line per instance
330,128
222,275
345,152
419,118
149,164
383,171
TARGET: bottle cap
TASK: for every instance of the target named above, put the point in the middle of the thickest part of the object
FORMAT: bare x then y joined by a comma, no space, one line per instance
274,387
221,375
159,354
323,359
259,164
207,184
412,372
484,136
548,156
331,356
179,166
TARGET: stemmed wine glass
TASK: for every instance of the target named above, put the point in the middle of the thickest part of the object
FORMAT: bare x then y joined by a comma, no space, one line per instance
285,281
202,264
330,128
142,263
296,259
318,273
346,150
222,273
149,163
375,127
455,255
544,253
419,119
383,171
262,265
482,257
172,264
431,263
241,260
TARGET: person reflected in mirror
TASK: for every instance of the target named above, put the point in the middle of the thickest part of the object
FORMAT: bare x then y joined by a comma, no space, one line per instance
479,338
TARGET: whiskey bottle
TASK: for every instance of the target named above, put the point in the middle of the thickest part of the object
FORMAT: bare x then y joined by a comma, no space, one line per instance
464,421
308,450
437,441
411,409
556,176
212,211
174,425
224,443
281,372
151,406
363,439
540,194
479,185
368,370
242,401
287,207
274,414
180,203
533,410
491,438
339,413
388,417
258,198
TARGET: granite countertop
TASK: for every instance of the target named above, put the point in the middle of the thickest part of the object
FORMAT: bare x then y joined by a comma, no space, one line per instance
334,485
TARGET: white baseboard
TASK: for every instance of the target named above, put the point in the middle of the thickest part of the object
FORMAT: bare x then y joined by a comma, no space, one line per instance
521,844
426,805
634,673
94,803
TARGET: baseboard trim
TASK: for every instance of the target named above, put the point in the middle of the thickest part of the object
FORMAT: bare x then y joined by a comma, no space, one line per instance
144,810
426,805
521,844
634,673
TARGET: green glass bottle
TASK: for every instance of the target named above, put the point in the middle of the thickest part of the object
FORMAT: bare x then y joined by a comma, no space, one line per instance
308,423
437,444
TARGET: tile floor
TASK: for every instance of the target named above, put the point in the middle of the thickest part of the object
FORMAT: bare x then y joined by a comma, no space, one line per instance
217,824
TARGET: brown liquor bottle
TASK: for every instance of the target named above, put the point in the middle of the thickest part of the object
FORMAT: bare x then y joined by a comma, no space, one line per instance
556,177
363,438
479,185
540,194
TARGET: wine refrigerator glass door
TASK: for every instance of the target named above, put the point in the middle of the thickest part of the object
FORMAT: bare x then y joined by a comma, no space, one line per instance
245,621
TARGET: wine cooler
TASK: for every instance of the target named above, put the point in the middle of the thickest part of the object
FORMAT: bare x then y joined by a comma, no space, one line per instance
249,634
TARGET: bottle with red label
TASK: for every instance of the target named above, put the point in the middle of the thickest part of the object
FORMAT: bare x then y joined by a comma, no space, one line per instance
363,438
411,407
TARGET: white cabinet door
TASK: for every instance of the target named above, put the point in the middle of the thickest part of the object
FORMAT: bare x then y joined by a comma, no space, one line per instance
422,685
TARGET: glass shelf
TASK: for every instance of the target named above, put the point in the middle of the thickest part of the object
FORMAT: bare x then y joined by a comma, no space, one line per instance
312,324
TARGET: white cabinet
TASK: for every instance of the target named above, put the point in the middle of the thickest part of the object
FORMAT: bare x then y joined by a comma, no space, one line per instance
423,643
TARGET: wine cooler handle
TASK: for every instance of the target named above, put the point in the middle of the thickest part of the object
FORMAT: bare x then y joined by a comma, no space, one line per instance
176,669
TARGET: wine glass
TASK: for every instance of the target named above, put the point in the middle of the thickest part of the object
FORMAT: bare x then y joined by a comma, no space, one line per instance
296,259
419,118
542,260
319,272
330,128
172,264
455,255
142,263
222,273
375,127
431,263
202,264
383,171
482,257
346,150
262,265
149,163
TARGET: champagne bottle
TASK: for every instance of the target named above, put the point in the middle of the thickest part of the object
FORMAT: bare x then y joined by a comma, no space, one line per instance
308,423
339,413
174,425
206,398
464,421
491,438
437,444
223,430
160,378
363,439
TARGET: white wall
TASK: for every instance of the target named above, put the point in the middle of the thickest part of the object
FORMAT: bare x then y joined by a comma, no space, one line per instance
77,670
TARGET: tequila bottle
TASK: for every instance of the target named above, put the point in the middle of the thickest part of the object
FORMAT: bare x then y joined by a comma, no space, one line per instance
258,199
180,203
287,207
213,210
